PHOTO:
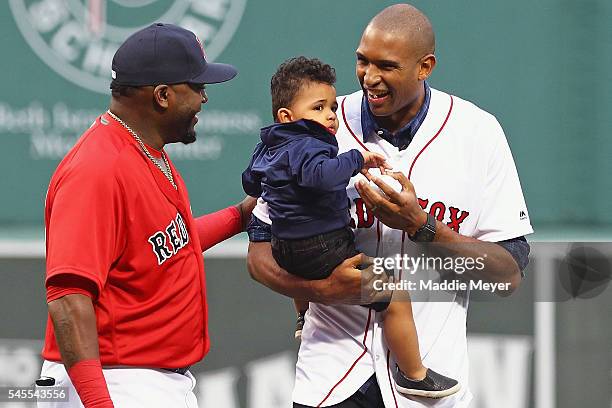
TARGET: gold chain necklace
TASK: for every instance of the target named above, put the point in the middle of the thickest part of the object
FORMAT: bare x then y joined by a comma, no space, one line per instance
167,172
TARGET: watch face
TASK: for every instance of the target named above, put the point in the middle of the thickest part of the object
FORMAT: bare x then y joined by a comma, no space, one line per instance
427,232
427,235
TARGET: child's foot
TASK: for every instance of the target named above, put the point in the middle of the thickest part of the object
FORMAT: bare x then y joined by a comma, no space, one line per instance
299,325
434,385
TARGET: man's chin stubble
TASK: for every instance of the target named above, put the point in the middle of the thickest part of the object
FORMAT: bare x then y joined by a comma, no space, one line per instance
189,138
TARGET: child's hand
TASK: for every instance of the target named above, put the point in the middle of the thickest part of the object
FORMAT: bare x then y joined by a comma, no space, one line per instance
371,160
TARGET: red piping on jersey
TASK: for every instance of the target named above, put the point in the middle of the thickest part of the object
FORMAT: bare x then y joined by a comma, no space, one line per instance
450,109
365,350
390,382
349,128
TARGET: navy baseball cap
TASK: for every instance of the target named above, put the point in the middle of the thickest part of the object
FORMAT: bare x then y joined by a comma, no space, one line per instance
166,54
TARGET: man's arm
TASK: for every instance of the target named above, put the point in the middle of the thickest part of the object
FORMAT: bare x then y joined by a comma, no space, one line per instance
218,226
245,208
76,333
74,322
402,211
500,266
345,285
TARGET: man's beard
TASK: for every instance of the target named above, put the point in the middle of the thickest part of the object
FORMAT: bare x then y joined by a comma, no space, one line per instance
189,137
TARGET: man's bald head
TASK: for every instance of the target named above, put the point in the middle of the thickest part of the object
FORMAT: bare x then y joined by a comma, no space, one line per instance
409,22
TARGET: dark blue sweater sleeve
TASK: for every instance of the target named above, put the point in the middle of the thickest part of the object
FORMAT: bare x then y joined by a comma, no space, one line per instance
251,182
320,171
519,249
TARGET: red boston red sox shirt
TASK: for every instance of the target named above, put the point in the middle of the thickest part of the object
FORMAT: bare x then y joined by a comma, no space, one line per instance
113,217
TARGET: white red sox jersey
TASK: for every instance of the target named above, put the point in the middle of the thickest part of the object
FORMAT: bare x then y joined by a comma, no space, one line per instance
463,172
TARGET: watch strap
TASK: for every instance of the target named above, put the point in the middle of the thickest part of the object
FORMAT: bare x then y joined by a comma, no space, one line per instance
427,232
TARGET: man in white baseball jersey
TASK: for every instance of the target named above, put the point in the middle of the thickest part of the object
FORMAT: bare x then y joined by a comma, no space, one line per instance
460,187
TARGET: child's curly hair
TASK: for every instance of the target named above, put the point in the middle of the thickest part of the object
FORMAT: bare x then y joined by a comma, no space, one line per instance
291,76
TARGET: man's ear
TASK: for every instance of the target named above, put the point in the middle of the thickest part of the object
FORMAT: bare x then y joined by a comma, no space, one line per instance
428,63
284,115
161,95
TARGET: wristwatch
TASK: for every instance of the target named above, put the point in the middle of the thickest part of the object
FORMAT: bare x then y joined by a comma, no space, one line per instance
427,232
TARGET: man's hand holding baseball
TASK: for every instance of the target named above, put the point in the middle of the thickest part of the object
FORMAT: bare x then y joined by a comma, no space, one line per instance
401,210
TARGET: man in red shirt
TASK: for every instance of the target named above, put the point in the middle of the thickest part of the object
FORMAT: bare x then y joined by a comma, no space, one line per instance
125,274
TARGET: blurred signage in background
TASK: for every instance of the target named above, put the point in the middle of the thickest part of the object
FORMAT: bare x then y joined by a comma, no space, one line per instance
58,80
53,130
78,38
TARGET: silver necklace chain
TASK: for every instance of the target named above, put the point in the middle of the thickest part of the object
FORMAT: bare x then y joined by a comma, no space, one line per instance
167,172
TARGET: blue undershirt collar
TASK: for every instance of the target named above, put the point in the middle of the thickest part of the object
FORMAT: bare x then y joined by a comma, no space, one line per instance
402,138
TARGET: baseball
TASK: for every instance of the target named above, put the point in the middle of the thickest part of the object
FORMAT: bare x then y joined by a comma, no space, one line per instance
390,181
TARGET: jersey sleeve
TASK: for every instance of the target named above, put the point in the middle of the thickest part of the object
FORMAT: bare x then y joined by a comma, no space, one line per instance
503,212
63,285
218,226
85,217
